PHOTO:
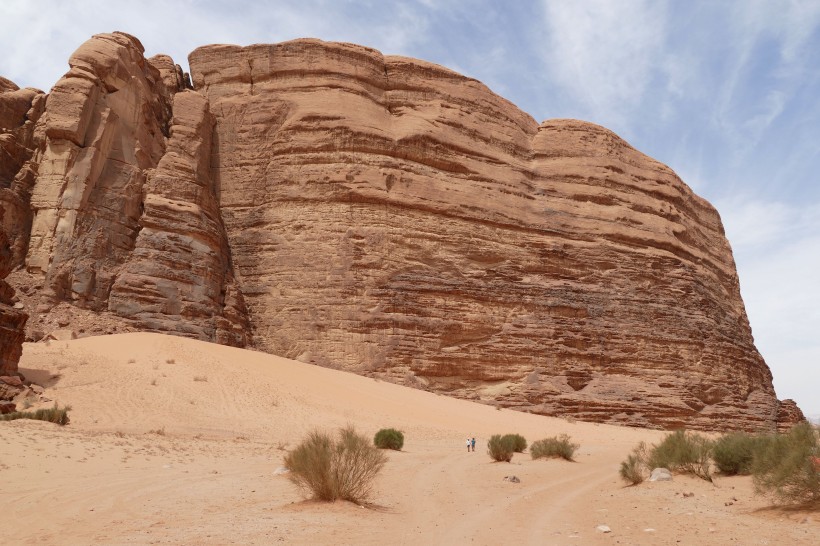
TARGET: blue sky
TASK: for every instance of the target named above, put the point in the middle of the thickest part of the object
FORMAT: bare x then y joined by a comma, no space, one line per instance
726,93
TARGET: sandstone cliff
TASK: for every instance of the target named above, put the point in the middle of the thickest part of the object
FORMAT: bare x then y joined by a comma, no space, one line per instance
389,217
126,221
19,112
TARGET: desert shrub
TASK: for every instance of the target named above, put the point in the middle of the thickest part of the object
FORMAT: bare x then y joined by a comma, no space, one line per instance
784,466
389,438
518,442
734,453
52,415
335,468
501,448
684,452
557,446
634,469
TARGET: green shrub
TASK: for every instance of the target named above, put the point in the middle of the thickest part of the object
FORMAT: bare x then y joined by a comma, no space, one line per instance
557,446
52,415
684,452
501,448
518,442
784,466
389,438
634,468
734,453
330,469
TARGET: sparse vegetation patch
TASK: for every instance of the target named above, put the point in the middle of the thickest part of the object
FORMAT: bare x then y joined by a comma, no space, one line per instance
335,468
518,442
56,415
559,446
734,453
634,469
501,448
685,452
389,438
785,466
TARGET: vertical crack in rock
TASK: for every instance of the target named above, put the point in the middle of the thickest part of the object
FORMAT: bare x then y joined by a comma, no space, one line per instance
178,277
126,225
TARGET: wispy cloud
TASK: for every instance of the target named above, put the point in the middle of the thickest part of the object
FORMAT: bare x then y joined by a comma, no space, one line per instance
603,53
49,30
777,250
771,43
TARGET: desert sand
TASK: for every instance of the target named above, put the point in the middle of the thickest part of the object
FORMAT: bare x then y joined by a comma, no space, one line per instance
174,441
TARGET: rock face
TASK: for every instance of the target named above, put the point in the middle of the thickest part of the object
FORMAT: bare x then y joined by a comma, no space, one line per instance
389,217
12,320
126,222
19,111
788,413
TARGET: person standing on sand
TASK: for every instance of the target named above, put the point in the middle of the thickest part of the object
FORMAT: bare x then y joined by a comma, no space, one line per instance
473,443
468,445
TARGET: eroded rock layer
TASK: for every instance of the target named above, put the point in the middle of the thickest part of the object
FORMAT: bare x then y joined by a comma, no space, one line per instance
391,217
385,216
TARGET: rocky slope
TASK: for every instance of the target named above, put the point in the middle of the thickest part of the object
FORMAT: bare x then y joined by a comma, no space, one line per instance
389,217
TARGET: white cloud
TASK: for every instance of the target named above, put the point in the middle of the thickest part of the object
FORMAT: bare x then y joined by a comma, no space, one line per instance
39,36
785,28
777,250
603,52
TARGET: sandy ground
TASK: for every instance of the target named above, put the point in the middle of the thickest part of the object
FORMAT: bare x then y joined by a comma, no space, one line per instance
175,441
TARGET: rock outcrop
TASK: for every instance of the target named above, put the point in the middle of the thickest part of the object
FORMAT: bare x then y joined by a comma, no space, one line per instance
788,413
126,222
12,317
19,111
392,218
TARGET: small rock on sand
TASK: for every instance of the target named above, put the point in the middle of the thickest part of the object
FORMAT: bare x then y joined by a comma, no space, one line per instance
660,475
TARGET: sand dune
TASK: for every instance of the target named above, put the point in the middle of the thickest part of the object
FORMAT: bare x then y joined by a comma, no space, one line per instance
174,441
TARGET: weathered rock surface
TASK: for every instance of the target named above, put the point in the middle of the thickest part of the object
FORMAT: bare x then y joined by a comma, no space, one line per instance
179,267
389,217
126,222
788,413
19,111
660,475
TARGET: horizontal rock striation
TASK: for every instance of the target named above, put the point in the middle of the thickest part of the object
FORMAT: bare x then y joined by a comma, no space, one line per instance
385,216
394,218
179,267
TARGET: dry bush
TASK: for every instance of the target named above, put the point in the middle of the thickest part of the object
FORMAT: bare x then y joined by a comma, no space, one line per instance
389,438
341,468
634,469
734,453
52,415
200,378
785,467
685,452
518,442
555,447
501,448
